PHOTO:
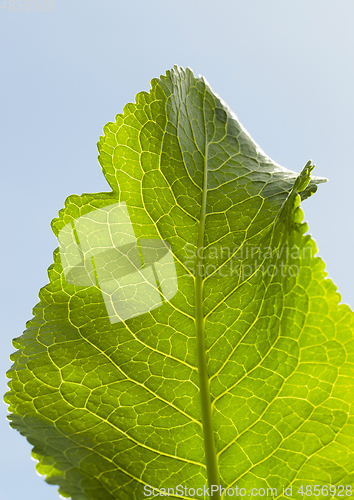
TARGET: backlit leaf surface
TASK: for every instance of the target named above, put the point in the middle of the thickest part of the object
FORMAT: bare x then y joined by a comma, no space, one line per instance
113,406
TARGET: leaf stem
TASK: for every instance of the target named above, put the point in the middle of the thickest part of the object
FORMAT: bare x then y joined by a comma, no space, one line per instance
204,386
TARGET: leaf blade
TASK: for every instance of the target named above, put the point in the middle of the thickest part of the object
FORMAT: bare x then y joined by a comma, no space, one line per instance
125,396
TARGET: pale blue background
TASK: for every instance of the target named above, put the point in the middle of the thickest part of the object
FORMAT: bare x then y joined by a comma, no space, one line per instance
286,68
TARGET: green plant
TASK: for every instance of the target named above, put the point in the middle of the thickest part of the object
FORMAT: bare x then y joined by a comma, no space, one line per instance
220,356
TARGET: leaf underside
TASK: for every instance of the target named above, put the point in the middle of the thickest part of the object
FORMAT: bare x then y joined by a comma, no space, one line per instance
111,407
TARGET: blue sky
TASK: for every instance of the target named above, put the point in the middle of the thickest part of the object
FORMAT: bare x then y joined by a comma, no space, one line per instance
284,67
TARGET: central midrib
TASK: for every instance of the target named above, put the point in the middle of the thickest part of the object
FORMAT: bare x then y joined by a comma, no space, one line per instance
204,386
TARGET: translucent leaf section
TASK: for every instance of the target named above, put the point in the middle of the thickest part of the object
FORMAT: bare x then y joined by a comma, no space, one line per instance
105,379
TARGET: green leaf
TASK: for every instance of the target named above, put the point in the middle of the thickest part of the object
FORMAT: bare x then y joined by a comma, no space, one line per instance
188,333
